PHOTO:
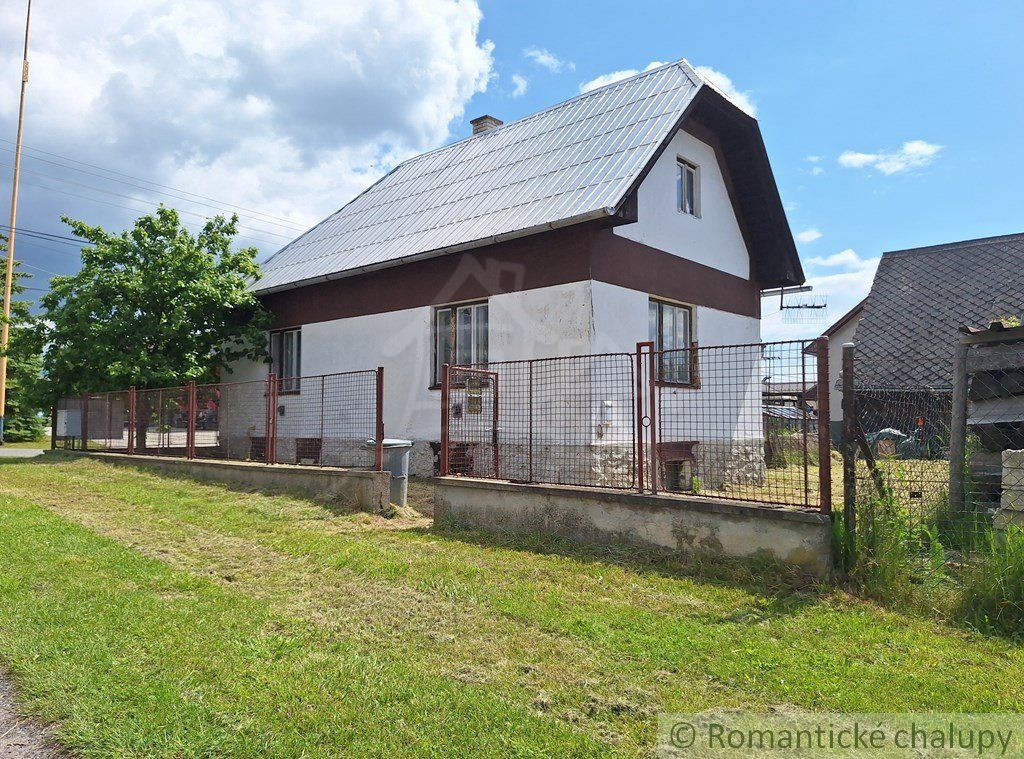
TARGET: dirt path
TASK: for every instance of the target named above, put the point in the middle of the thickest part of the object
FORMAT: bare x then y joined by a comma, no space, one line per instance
22,738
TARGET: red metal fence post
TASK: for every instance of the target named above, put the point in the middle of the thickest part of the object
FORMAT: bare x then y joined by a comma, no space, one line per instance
53,425
824,425
131,420
270,454
190,434
638,444
445,458
378,453
653,388
495,422
85,421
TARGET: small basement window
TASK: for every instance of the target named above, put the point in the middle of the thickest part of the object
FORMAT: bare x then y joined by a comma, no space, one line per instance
286,358
688,187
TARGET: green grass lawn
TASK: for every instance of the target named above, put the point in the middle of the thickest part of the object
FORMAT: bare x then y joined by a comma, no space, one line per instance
146,615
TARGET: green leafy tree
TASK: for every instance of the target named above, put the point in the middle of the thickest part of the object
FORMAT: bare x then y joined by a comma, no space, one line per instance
152,306
23,419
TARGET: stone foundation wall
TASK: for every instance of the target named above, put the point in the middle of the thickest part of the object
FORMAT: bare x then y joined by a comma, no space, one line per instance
610,465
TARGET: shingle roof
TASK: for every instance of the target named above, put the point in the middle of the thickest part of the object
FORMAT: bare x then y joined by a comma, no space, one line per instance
573,161
919,300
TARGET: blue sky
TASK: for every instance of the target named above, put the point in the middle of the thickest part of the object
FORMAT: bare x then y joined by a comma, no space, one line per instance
826,78
289,110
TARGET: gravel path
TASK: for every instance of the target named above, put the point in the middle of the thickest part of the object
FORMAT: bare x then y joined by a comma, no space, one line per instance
18,453
20,737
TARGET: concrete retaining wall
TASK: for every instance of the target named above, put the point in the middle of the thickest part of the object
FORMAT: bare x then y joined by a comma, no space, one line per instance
354,488
684,524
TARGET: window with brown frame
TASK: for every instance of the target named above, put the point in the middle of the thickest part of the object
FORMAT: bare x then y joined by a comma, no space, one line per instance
671,331
460,336
286,359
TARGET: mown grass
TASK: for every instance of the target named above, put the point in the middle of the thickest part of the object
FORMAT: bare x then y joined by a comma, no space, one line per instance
147,615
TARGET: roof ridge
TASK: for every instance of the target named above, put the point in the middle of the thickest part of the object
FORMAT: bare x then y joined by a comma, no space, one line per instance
970,243
682,64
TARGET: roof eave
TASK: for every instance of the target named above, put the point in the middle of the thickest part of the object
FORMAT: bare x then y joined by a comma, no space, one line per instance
599,213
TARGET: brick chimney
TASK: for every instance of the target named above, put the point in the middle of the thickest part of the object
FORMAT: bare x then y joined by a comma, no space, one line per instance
483,124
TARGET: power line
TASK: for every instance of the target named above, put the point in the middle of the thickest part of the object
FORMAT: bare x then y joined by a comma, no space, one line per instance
283,221
49,236
134,198
249,236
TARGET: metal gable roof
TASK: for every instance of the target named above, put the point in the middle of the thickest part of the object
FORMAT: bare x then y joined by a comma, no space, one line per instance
574,161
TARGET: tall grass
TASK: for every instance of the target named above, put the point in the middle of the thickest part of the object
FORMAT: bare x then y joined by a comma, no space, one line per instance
992,598
955,564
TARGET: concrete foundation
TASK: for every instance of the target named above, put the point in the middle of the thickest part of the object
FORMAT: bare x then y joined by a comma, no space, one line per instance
358,489
675,523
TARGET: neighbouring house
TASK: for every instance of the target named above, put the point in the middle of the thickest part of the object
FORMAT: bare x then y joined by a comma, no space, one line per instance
840,333
645,209
909,328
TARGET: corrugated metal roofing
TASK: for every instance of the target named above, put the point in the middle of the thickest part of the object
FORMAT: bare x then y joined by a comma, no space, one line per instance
568,163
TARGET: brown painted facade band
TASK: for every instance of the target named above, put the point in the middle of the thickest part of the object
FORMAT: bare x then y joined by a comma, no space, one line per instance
573,254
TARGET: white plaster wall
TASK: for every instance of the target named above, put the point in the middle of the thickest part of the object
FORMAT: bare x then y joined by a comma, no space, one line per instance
541,323
714,239
621,320
551,321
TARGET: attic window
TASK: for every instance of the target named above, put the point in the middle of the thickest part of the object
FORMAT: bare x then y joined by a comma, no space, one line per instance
688,187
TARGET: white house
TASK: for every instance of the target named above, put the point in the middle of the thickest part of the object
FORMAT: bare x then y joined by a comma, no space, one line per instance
645,209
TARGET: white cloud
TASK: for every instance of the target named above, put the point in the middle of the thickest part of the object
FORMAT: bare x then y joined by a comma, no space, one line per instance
715,78
813,159
615,76
289,107
519,85
544,57
815,171
846,259
914,154
725,85
844,283
808,235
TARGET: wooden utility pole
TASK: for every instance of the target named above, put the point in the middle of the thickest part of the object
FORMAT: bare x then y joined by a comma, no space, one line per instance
5,329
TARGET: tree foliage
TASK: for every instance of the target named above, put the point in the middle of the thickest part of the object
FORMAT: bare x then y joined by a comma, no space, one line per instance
22,418
152,306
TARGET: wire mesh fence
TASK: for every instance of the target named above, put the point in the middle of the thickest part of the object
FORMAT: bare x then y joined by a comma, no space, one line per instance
738,422
324,420
565,421
743,422
945,465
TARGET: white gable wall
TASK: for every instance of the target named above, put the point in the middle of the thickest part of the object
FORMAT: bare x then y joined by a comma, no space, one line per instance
714,239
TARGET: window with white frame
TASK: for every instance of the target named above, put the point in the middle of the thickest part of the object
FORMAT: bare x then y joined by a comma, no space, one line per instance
688,187
671,331
286,358
460,336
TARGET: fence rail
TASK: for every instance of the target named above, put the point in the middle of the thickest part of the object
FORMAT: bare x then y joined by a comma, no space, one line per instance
322,420
743,422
